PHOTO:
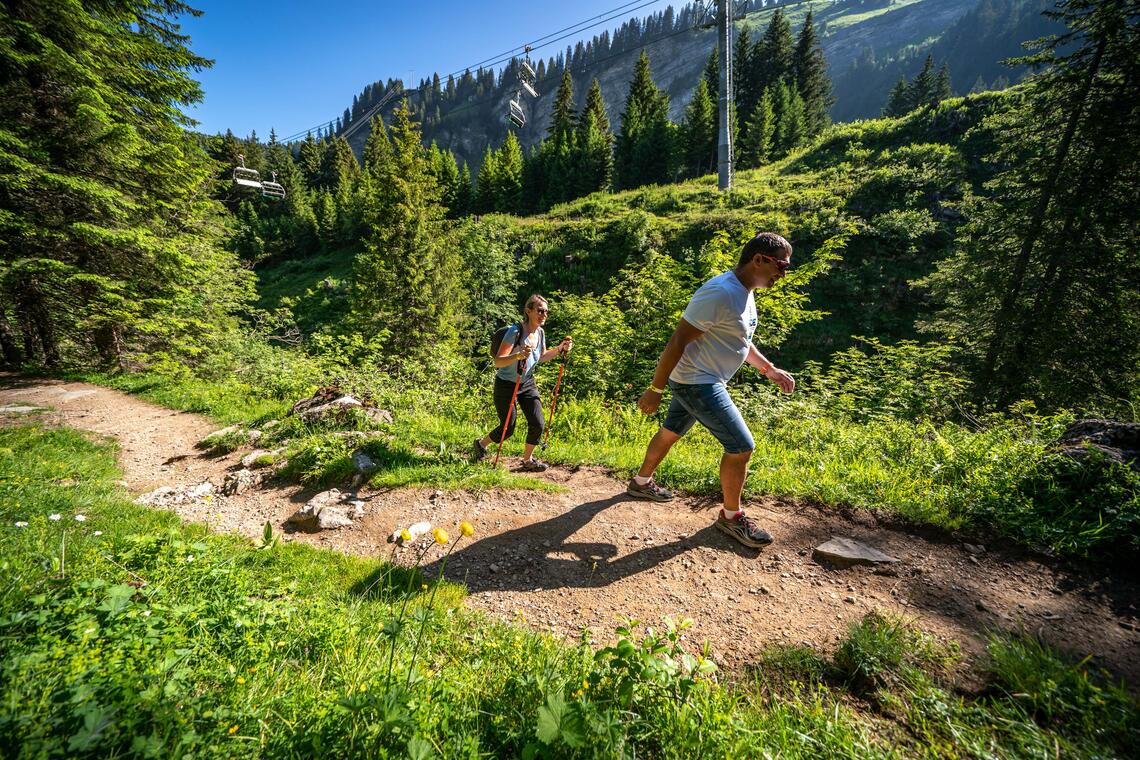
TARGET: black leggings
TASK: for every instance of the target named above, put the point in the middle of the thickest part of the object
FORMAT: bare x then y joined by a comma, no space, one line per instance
528,401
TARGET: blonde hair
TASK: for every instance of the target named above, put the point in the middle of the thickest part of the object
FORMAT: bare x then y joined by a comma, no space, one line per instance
534,299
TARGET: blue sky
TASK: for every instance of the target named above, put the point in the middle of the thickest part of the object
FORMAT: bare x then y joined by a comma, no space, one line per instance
293,65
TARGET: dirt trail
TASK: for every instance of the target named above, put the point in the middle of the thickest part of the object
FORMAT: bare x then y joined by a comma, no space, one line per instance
592,557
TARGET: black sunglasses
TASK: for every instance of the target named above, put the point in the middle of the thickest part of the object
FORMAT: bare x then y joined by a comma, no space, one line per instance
540,310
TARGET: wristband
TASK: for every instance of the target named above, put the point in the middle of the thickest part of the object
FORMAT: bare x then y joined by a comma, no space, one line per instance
655,389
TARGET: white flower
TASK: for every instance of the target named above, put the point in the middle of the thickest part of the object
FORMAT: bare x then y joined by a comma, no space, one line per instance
189,557
21,524
81,518
56,516
97,533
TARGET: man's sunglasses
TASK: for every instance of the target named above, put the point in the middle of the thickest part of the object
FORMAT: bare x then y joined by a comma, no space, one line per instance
781,264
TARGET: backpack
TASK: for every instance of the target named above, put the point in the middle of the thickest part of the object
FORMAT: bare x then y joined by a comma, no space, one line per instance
497,338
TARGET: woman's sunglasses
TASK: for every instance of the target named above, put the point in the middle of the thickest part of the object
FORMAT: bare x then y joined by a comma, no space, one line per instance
540,310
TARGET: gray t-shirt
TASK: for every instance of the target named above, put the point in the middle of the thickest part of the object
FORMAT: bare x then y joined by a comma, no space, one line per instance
725,311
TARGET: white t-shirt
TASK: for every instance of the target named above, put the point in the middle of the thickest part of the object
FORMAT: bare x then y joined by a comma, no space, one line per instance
725,311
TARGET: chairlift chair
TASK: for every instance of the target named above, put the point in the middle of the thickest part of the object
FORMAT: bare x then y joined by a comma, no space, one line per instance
527,77
272,189
517,115
244,177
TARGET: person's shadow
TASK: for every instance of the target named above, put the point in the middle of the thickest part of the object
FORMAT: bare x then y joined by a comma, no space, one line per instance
539,556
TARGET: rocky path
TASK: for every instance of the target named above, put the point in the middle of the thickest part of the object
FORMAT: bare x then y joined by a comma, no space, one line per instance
590,557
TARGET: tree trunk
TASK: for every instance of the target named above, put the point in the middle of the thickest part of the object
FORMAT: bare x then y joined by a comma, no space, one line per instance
1021,264
9,348
109,343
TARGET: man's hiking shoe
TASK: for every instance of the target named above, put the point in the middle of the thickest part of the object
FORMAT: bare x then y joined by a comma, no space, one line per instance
535,465
745,530
479,451
650,491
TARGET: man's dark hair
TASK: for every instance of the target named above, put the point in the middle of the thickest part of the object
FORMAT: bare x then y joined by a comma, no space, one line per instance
767,243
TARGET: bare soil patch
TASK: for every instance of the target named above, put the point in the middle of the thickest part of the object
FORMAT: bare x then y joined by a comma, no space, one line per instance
591,557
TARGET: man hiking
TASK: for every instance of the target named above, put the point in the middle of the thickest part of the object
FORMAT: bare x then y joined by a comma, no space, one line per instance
527,349
712,341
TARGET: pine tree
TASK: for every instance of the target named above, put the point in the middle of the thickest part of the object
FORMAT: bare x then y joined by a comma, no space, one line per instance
377,149
109,250
446,173
339,167
924,87
775,53
487,182
642,153
942,87
406,289
562,120
1042,285
759,134
311,156
698,133
900,101
508,184
811,77
595,144
464,196
789,113
744,84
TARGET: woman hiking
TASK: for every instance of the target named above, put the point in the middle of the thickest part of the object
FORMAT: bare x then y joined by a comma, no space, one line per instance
526,349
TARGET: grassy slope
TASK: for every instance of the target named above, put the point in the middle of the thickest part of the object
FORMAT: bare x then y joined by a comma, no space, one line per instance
129,632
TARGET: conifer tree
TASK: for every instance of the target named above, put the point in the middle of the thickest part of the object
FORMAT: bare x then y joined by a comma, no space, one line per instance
924,88
463,195
406,289
1042,286
759,134
744,63
446,173
562,120
900,100
642,153
377,149
487,182
508,177
595,144
311,156
698,133
942,87
811,78
108,246
789,109
775,53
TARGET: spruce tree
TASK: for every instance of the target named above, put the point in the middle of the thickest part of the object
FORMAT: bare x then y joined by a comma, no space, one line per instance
311,156
811,77
109,249
901,101
464,195
508,184
642,153
925,85
759,134
942,87
562,120
595,144
1041,290
377,149
698,133
487,182
775,53
744,84
406,282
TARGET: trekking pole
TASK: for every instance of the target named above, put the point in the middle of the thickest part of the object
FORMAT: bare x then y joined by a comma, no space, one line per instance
510,410
554,401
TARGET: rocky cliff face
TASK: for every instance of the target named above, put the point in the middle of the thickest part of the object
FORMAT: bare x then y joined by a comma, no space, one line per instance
849,29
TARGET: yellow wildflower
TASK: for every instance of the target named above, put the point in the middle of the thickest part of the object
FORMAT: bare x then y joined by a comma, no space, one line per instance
466,529
233,729
240,679
405,536
440,535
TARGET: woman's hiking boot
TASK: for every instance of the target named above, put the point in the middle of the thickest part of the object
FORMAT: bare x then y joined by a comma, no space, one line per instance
535,465
744,529
479,451
650,491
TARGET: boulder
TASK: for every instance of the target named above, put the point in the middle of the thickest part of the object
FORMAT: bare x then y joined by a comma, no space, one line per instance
250,460
330,403
845,552
170,496
1119,441
240,482
331,509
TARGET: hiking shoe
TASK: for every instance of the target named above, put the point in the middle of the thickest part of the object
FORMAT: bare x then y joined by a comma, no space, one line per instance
744,529
479,450
535,465
650,491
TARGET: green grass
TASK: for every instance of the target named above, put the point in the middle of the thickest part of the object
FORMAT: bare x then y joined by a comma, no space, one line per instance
130,633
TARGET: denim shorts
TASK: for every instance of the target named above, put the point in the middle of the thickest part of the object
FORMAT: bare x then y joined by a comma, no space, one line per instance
710,405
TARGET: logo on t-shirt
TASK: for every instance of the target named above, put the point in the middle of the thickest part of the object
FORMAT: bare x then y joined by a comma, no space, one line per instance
751,327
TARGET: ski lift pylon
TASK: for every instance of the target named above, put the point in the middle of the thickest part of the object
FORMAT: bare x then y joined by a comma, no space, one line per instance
244,177
272,189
